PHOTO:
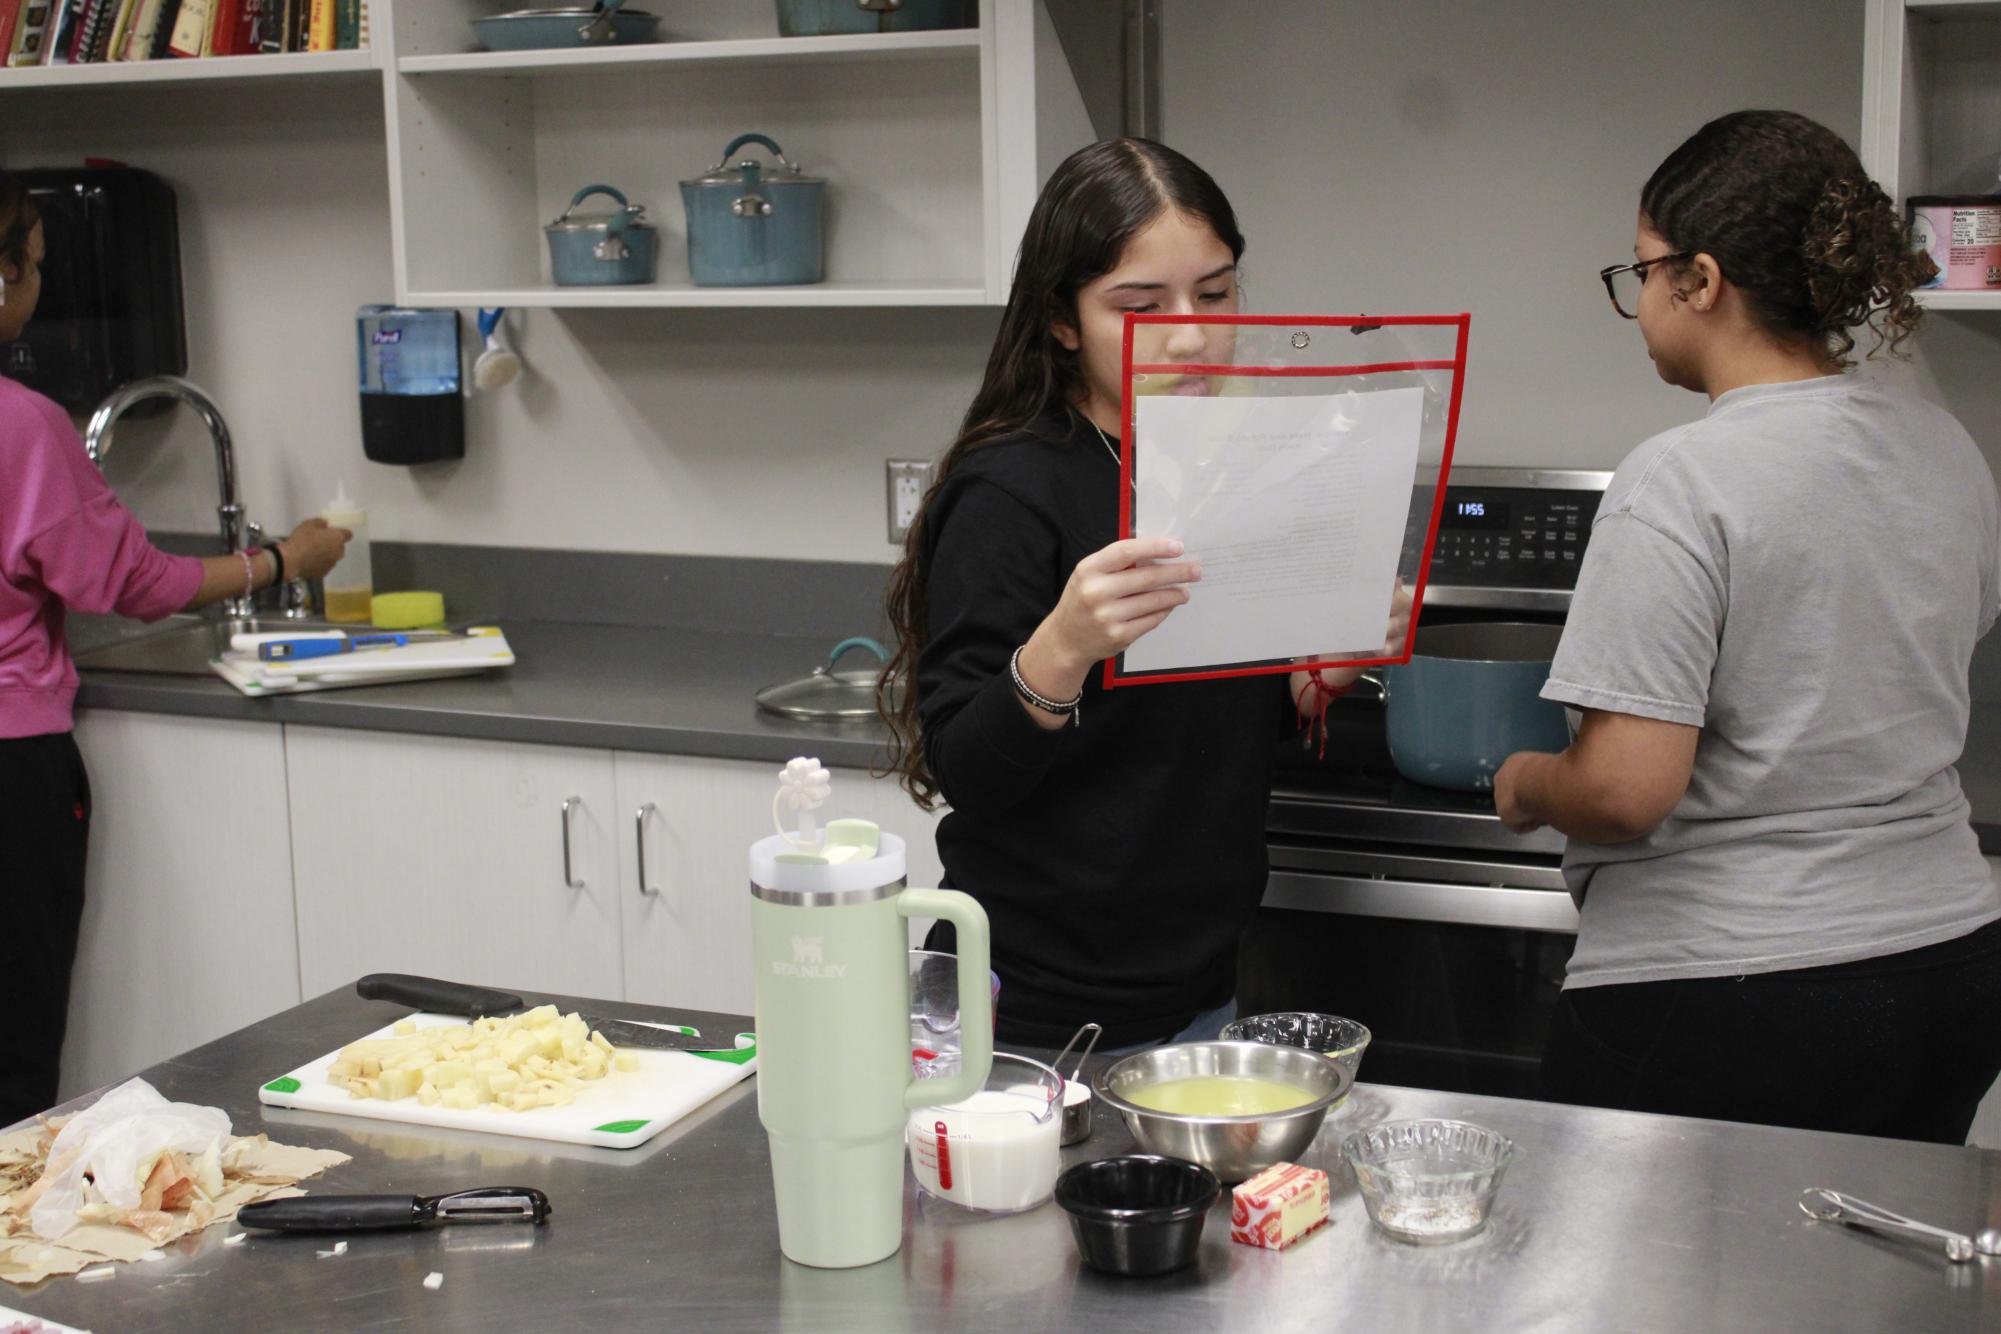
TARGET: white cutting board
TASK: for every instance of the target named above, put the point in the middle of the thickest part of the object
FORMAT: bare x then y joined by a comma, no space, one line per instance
621,1111
460,655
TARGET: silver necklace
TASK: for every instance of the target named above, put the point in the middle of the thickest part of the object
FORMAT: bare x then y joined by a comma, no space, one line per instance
1105,440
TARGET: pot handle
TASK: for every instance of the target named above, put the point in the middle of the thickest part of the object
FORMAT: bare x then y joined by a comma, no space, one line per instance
762,140
858,641
620,220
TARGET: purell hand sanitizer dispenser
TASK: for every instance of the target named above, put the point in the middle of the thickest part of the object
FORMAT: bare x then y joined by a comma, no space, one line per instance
834,1082
412,407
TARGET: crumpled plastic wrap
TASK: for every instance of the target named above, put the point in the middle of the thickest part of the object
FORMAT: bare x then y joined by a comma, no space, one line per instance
117,1143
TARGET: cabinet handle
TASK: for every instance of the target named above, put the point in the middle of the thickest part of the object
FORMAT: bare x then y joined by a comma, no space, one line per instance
639,840
570,804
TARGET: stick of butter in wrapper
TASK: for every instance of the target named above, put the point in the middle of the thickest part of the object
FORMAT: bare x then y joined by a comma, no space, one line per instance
1278,1206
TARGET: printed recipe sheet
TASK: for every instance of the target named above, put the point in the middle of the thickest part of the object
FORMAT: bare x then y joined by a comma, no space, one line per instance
1295,507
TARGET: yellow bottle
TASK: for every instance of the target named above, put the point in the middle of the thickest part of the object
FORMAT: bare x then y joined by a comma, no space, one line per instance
350,584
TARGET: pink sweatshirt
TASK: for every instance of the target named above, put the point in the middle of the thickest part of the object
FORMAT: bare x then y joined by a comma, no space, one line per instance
65,541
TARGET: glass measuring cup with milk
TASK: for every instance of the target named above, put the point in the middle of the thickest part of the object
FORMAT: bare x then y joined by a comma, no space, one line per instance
997,1151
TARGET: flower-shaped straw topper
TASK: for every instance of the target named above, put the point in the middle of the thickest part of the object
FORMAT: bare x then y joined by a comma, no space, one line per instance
803,787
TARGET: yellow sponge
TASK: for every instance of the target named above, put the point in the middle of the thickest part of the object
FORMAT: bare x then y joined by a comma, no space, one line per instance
406,611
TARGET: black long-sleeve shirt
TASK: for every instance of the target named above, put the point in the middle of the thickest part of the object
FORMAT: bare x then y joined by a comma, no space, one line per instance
1118,860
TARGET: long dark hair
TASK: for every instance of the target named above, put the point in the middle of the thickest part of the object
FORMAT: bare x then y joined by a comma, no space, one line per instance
1092,205
18,217
1785,208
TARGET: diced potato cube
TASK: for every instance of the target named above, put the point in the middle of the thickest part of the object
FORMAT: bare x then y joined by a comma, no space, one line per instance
626,1060
601,1042
503,1082
400,1083
404,1027
427,1094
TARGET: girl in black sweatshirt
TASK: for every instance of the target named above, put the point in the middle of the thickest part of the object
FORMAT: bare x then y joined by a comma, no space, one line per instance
1116,838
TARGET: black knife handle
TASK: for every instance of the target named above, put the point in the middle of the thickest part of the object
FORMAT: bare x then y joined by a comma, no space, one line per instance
335,1213
428,993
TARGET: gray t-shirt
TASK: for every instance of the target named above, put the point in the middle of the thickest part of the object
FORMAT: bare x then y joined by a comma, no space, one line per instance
1802,574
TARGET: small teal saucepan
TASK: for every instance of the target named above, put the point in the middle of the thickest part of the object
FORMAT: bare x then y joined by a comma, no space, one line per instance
605,24
1470,696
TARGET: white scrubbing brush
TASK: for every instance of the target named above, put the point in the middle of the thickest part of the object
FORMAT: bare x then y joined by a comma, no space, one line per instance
496,366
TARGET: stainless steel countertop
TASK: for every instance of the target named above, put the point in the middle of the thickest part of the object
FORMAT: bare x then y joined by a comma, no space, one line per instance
690,692
1607,1220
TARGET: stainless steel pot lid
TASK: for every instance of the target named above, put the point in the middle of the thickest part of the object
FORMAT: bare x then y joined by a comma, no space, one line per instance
829,695
729,173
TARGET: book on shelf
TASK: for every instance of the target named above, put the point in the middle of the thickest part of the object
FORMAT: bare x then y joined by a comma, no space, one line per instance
140,33
10,14
115,32
31,32
320,26
190,30
347,24
62,31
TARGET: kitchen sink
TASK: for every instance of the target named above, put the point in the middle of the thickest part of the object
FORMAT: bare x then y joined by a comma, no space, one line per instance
180,645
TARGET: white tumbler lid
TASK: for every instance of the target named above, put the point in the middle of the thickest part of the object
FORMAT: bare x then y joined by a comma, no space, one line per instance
823,884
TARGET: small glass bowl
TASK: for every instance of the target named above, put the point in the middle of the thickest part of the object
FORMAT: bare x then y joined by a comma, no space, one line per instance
1341,1041
1428,1182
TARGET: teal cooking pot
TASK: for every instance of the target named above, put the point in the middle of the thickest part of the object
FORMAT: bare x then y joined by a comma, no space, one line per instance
1470,696
604,248
821,18
751,224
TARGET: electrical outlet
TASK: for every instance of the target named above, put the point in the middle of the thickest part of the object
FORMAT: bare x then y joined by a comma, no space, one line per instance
908,480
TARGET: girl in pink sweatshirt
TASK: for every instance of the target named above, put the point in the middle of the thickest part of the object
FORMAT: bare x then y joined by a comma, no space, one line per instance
66,542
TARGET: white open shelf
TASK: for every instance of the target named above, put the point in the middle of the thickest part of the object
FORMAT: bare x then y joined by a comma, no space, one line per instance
315,64
1931,108
963,42
905,293
1938,299
933,144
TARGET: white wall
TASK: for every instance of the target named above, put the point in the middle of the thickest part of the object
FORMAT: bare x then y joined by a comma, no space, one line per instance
1434,155
1424,155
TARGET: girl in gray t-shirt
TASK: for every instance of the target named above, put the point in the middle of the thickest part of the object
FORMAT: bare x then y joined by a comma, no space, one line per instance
1769,646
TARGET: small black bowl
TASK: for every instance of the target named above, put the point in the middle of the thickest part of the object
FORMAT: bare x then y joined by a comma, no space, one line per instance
1138,1214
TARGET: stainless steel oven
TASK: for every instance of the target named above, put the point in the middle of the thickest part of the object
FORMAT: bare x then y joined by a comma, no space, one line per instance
1411,908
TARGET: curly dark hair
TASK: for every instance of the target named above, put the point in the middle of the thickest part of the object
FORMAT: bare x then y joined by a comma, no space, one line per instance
1784,207
18,216
1093,203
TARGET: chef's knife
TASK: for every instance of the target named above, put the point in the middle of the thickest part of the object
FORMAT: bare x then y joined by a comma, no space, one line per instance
438,997
373,1213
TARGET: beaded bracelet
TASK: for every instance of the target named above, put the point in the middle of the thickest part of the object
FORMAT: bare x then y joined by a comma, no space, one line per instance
249,574
1043,702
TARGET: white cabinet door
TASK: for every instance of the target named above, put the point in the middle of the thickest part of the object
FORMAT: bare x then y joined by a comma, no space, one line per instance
446,858
687,935
188,931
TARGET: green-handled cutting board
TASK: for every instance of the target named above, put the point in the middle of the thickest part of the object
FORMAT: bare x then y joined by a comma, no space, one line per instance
621,1111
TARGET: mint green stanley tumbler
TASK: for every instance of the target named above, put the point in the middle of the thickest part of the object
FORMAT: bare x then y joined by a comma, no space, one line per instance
834,1078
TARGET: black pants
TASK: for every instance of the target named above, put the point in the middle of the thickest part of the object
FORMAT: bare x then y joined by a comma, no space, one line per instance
1904,1046
44,830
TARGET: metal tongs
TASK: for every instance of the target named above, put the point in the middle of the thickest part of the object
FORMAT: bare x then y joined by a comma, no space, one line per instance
1831,1206
1077,1116
373,1213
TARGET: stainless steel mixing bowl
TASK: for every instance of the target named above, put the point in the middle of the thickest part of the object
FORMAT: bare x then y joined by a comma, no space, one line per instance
1235,1148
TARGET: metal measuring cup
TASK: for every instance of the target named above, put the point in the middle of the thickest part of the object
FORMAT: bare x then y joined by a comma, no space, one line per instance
1077,1115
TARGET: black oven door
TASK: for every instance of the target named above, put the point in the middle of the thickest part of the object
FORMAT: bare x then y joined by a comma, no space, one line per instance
1456,979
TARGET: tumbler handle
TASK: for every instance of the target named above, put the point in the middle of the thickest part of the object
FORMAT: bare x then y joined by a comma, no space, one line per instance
976,1007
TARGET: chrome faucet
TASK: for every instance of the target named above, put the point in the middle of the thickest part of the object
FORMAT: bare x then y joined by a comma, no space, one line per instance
236,530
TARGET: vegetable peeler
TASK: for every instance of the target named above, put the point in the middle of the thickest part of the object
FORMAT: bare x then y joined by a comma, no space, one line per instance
374,1213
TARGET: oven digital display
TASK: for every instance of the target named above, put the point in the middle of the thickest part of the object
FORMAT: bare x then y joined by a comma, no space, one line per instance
1469,512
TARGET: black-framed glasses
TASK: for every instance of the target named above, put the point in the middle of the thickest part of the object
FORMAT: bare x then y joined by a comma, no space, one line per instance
1624,281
